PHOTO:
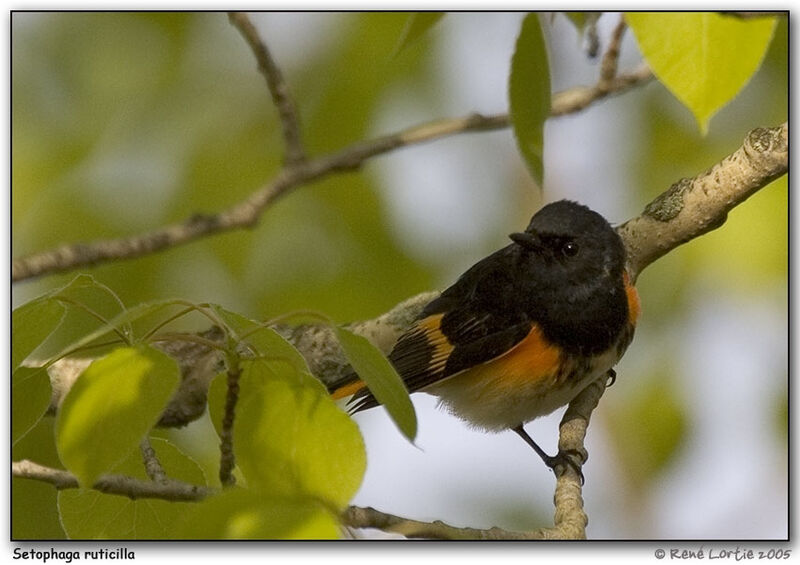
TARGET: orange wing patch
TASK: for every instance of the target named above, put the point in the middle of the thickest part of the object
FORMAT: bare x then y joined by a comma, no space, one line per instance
523,383
532,359
431,327
427,334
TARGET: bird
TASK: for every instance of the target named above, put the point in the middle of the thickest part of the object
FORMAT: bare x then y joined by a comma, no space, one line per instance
523,331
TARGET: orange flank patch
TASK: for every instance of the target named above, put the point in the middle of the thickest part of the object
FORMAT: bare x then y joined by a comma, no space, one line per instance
348,389
532,359
634,304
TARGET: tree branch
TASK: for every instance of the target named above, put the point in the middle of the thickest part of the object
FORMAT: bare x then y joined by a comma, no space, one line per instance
278,89
356,517
227,457
169,489
152,465
590,33
689,208
569,519
360,517
608,67
246,214
694,206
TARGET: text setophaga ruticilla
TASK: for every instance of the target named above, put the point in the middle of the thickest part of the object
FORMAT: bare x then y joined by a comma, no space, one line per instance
524,330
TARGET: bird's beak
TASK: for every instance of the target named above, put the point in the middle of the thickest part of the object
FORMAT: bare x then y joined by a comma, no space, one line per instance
525,239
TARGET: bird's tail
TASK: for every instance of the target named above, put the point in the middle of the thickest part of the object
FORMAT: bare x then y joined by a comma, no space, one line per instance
350,384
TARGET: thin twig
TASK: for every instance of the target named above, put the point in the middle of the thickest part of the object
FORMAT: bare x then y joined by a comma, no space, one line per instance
360,517
278,89
193,338
686,210
608,66
152,465
576,99
122,485
227,458
178,491
590,32
569,518
246,214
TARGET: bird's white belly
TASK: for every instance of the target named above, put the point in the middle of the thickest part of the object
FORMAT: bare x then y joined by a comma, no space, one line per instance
483,404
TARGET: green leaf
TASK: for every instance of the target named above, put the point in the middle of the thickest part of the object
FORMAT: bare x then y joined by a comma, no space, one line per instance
31,324
529,94
291,439
381,378
89,514
266,341
744,263
578,19
703,58
81,282
242,514
34,512
93,298
120,323
30,397
110,408
418,24
33,503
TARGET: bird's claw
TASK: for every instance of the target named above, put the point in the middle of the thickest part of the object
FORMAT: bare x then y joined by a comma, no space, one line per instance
572,458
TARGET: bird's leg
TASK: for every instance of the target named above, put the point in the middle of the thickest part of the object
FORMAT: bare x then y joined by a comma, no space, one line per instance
571,457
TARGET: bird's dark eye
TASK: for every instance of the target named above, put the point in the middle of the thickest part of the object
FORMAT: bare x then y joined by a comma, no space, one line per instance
570,249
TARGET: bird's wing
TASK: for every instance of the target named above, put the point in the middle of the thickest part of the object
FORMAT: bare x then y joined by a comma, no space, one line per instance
442,345
472,322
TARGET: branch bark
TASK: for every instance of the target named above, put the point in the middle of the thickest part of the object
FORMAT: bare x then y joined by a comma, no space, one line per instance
151,463
247,213
353,516
569,522
227,457
684,211
278,89
688,209
368,517
168,489
608,66
694,206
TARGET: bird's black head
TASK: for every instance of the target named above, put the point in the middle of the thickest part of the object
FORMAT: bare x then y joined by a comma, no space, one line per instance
574,240
571,265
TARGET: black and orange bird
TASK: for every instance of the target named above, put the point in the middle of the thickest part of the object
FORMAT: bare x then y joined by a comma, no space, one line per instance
524,330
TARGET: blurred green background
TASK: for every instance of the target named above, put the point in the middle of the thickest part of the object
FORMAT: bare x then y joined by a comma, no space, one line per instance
124,122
